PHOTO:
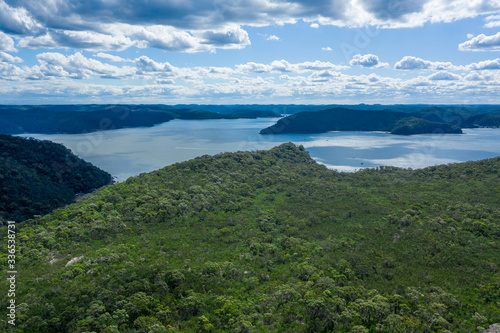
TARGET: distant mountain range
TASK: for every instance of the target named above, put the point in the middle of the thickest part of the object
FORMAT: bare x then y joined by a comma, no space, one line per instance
76,119
396,119
429,120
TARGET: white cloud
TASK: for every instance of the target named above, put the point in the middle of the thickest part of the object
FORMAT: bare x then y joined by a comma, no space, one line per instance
231,38
281,66
493,21
273,37
328,48
79,67
16,20
208,14
165,81
482,43
254,67
474,76
6,43
487,64
367,60
52,80
10,72
413,63
319,65
5,57
147,65
111,57
410,63
202,26
444,76
82,40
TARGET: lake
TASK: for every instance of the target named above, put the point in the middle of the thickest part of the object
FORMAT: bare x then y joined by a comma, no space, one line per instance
131,151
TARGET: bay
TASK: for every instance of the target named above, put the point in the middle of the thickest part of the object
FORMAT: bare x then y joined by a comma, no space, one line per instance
131,151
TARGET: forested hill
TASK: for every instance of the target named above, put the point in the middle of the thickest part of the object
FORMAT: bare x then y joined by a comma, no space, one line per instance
268,241
341,119
39,176
76,119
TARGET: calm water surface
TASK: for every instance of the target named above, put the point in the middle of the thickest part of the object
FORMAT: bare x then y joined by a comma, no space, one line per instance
129,152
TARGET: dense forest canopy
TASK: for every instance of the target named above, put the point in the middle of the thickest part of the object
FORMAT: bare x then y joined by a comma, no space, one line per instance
39,176
76,119
429,120
268,241
398,119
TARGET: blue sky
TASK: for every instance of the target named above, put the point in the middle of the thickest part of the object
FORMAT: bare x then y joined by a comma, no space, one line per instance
250,51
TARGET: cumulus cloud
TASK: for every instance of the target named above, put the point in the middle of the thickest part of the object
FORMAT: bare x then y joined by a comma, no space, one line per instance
6,43
410,63
147,65
78,66
444,76
367,60
165,81
233,38
111,57
82,40
5,57
487,64
280,80
319,65
10,72
474,76
282,66
273,37
492,21
16,20
482,43
413,63
207,14
328,48
254,67
186,26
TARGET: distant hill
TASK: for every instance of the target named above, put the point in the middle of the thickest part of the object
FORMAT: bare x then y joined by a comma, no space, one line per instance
40,120
39,176
78,119
414,125
341,119
267,241
483,120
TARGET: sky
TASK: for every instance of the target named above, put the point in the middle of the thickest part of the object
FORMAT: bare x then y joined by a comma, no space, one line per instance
250,51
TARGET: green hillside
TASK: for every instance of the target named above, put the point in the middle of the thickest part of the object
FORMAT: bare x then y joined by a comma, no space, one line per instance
267,241
76,119
39,176
412,125
341,119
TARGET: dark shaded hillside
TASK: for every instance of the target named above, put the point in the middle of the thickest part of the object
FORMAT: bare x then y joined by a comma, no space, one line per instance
39,176
268,241
454,116
413,125
78,119
356,120
483,120
15,121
